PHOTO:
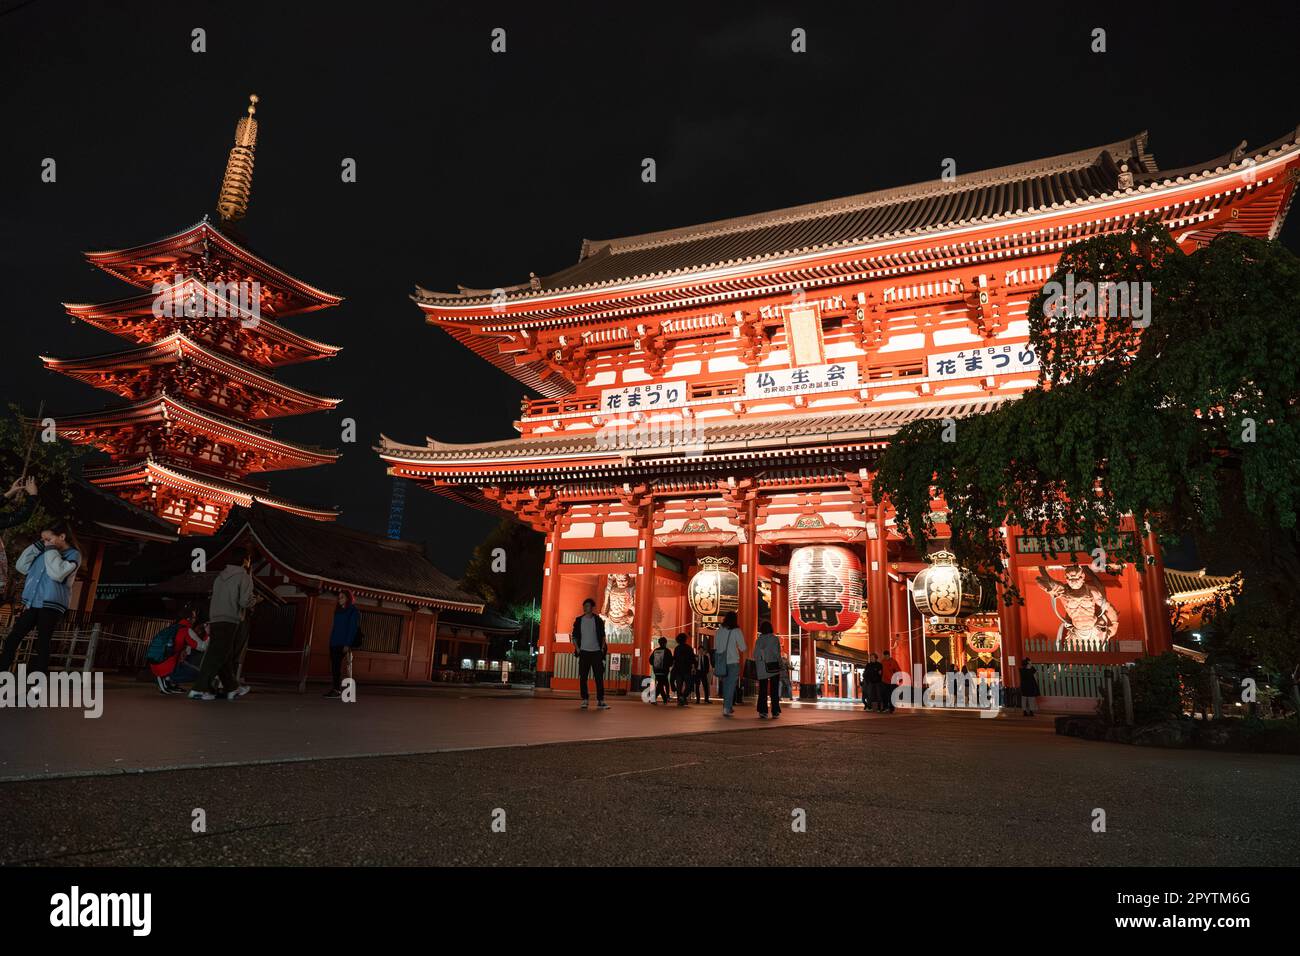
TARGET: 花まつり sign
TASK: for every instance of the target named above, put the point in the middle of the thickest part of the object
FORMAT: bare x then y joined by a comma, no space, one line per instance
983,360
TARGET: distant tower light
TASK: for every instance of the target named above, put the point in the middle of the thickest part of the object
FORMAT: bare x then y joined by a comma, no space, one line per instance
395,509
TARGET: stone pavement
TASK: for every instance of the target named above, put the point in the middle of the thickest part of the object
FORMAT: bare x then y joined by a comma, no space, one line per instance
400,779
878,791
142,730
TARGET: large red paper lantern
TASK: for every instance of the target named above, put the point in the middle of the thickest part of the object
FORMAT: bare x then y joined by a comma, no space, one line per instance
826,584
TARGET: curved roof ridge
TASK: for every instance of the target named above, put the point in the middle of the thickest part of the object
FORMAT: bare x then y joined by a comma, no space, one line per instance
1131,148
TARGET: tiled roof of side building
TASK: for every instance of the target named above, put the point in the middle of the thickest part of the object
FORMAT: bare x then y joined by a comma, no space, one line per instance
1021,187
345,557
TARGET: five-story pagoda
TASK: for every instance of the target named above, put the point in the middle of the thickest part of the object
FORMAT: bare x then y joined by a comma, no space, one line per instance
198,382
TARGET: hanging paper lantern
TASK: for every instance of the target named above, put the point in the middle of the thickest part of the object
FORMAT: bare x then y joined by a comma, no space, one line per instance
714,590
947,593
826,584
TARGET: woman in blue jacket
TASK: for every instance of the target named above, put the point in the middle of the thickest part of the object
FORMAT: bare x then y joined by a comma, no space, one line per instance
347,621
50,566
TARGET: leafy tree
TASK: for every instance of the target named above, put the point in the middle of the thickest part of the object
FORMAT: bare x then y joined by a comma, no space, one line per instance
506,568
1190,425
53,465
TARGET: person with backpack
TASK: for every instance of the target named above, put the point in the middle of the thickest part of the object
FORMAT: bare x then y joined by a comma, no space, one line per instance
661,662
343,635
589,648
50,565
683,669
703,664
168,653
768,670
729,644
232,596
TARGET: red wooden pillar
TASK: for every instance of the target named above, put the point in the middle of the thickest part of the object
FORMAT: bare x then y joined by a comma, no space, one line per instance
643,613
749,579
1155,608
781,608
550,597
807,667
877,584
1009,624
900,644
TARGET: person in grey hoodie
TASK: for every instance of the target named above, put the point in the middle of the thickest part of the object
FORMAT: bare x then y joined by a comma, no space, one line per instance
232,596
769,670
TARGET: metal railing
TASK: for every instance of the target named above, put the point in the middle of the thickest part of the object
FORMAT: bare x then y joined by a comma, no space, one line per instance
121,641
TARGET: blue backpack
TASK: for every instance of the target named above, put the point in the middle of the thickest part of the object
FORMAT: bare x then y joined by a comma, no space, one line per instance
162,646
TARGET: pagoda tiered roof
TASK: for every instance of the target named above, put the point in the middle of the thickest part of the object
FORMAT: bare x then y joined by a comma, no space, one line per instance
198,502
164,426
197,380
206,252
262,342
178,364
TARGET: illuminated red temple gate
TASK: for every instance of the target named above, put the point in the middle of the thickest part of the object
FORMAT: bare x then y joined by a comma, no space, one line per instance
724,390
198,382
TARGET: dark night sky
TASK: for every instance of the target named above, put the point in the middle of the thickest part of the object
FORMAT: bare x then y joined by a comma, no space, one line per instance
476,168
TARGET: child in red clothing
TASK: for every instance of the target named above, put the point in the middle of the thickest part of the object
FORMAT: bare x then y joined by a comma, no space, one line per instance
178,669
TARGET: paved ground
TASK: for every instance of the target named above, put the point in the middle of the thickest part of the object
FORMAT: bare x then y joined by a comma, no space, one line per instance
876,790
142,730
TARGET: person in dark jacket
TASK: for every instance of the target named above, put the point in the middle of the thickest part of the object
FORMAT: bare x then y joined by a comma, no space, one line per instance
768,670
703,667
1028,689
347,621
873,684
683,668
589,648
661,663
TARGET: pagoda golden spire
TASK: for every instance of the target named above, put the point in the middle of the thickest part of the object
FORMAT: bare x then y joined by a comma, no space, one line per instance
237,184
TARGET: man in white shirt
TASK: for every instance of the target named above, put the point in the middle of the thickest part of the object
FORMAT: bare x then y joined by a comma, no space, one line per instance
589,648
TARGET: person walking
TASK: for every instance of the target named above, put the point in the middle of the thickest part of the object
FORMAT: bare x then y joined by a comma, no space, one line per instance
589,648
232,596
661,662
872,676
729,645
889,667
683,669
50,565
347,622
1028,689
703,665
768,670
